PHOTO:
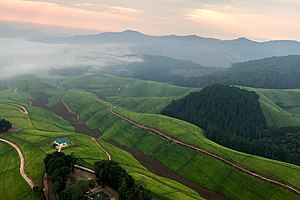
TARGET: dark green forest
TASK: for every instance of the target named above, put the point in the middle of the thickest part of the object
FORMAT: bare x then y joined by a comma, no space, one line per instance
233,118
274,72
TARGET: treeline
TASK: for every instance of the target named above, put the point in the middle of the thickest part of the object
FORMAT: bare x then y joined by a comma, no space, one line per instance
283,147
274,72
232,117
5,125
111,174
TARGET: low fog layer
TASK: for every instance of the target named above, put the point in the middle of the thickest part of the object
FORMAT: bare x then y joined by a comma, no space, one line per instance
24,57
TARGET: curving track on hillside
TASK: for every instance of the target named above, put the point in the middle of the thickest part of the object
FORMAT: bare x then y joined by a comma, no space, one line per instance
22,163
232,164
103,149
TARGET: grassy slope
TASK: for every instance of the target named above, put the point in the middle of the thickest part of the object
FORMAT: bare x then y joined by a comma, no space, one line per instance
111,126
232,184
133,94
277,116
35,144
289,112
192,134
13,186
162,186
213,174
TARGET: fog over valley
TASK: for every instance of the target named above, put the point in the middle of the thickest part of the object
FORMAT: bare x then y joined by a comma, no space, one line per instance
18,56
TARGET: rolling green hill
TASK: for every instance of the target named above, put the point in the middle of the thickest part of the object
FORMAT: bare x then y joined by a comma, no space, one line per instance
133,94
35,144
137,150
184,161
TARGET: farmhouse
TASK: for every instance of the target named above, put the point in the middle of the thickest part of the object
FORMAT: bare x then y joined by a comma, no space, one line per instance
61,142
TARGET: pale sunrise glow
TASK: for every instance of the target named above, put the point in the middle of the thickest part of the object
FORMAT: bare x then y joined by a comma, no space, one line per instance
270,19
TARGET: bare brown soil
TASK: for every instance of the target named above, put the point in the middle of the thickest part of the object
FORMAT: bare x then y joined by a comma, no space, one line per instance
14,128
159,169
40,99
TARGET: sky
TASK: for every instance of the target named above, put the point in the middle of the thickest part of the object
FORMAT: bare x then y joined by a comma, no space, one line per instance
223,19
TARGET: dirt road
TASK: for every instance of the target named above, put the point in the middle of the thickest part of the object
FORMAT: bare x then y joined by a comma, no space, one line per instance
22,163
103,149
232,164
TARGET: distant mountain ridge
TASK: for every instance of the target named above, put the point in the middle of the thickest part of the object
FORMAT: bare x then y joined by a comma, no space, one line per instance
204,51
7,31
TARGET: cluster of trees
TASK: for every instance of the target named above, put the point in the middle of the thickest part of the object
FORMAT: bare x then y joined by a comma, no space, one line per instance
274,72
76,191
5,125
232,117
111,174
222,107
59,167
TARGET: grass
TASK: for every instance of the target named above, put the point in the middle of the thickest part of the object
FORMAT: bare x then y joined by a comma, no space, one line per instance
162,186
192,134
143,104
35,144
213,174
133,94
109,86
280,106
13,186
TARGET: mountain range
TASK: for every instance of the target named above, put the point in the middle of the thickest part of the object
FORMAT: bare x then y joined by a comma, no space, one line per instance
204,51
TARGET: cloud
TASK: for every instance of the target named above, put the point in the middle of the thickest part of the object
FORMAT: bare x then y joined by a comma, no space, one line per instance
226,19
123,10
252,20
23,57
53,14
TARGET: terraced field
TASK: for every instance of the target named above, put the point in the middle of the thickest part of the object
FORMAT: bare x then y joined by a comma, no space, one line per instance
132,94
184,161
283,107
280,106
170,170
36,143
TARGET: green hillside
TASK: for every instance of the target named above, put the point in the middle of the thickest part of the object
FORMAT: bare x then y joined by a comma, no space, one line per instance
132,94
184,161
35,144
136,149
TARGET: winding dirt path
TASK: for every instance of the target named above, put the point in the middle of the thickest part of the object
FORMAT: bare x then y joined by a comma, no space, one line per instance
232,164
22,163
103,149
